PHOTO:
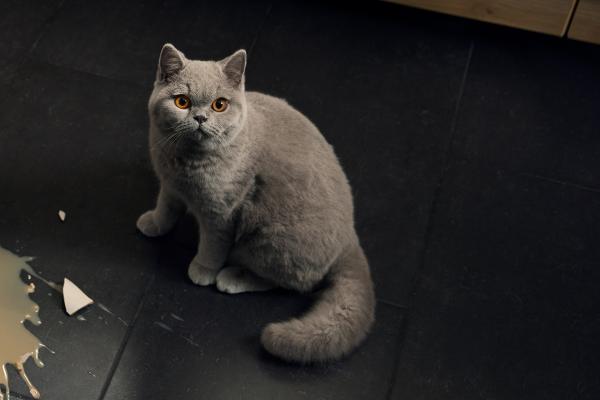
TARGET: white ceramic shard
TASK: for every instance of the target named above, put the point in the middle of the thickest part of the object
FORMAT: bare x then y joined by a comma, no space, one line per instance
74,297
62,215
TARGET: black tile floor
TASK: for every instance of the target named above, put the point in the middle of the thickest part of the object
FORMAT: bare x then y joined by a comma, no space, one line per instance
474,155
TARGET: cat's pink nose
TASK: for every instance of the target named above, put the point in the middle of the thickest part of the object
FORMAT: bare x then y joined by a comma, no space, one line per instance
200,118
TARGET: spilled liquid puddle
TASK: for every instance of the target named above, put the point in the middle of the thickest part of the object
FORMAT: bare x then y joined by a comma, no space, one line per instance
17,344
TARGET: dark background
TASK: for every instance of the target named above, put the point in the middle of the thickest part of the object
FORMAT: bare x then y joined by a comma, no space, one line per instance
473,152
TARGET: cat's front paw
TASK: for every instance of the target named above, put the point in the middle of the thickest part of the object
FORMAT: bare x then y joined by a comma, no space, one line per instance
231,280
146,224
202,275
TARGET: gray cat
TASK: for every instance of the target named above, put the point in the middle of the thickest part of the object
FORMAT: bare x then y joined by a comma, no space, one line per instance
272,203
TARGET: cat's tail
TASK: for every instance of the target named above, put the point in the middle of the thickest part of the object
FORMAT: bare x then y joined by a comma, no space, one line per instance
336,324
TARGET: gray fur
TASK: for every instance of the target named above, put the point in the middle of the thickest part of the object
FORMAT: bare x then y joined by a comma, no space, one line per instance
272,203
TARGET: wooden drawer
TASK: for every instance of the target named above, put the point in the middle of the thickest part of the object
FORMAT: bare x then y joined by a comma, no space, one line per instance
586,22
546,16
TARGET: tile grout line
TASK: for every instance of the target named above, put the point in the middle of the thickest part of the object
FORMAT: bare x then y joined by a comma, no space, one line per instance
19,396
562,183
392,304
85,72
28,56
396,362
125,341
47,23
260,29
110,78
20,59
432,208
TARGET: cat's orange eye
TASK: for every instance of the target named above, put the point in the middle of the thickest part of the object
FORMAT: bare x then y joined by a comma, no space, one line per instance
182,101
220,104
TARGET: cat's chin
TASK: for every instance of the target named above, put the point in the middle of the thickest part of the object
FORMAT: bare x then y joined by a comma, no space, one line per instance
201,134
200,140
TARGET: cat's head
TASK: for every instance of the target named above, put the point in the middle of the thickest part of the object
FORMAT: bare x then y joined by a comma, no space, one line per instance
201,102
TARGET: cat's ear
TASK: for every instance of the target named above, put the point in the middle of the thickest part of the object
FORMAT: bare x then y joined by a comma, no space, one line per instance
170,62
234,67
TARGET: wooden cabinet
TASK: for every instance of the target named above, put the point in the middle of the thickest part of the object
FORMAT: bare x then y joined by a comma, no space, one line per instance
586,22
546,16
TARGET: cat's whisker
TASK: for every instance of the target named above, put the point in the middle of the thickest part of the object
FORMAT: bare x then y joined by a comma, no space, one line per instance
176,141
172,142
165,141
161,141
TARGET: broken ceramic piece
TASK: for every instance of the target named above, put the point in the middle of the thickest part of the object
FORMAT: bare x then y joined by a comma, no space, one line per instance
74,297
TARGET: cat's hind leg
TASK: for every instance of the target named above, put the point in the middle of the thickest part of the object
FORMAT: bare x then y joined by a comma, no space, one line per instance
235,280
